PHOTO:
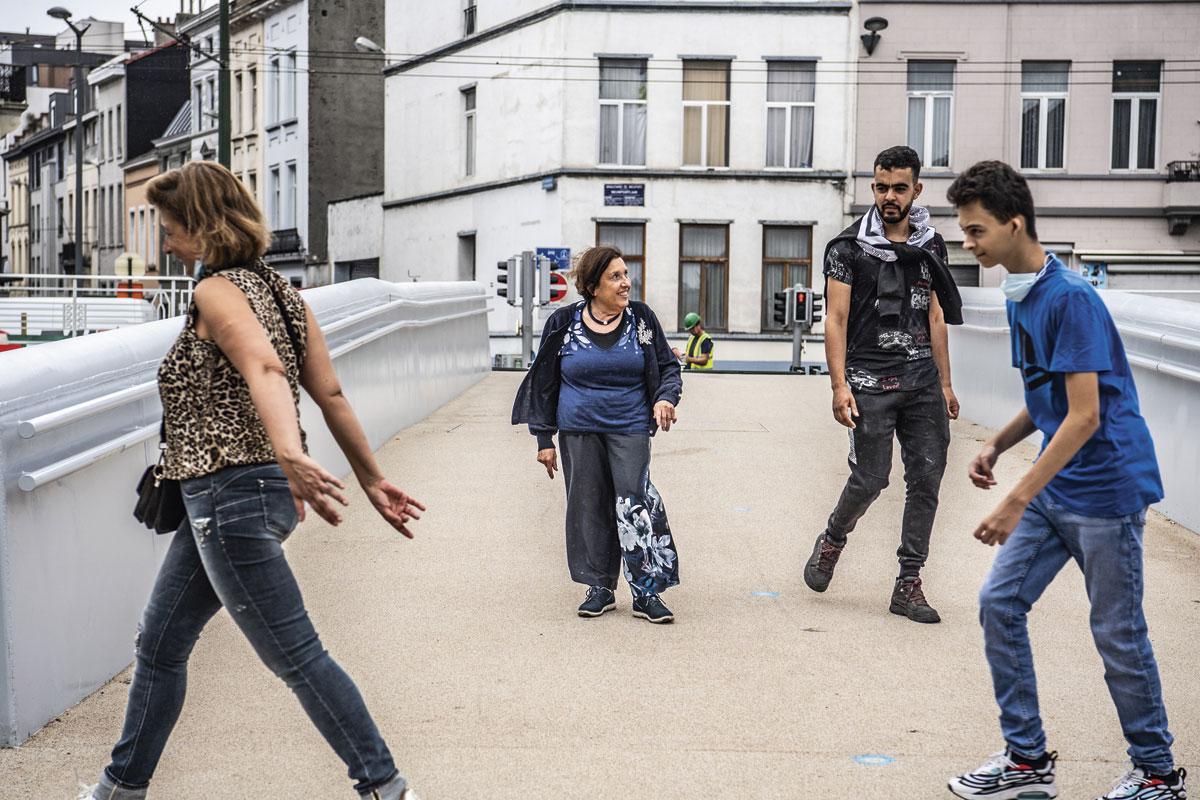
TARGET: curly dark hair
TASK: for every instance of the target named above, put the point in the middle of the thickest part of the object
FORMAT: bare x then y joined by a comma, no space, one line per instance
900,157
999,188
590,268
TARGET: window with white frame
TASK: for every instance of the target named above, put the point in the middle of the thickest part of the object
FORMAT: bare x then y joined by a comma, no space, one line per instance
197,107
623,111
119,132
930,110
289,195
289,84
211,91
1043,113
468,17
468,96
273,89
791,106
238,102
253,115
705,113
1136,87
273,197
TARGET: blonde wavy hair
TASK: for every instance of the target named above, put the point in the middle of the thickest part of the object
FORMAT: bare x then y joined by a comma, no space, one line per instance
216,210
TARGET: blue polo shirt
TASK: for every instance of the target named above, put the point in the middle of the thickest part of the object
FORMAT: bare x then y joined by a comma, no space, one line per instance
1063,326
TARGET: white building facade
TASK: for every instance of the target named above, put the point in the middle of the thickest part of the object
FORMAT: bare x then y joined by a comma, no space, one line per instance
203,32
108,87
285,154
711,142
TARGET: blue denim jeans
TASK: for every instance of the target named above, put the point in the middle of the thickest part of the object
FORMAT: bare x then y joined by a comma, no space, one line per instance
1109,551
228,553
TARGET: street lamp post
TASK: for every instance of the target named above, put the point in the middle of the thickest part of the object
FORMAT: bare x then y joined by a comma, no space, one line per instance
58,12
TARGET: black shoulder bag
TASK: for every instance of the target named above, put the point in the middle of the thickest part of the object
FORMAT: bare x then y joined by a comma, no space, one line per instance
160,500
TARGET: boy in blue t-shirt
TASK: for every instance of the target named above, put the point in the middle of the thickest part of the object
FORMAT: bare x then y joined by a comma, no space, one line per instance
1084,498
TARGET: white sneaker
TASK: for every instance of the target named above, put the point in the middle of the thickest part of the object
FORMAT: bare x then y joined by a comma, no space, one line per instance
86,792
1001,778
1137,785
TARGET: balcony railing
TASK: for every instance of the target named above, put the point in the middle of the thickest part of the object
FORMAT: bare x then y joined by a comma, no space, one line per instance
469,20
1183,171
12,83
285,242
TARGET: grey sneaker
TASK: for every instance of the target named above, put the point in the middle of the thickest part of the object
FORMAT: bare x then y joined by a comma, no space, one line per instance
651,607
391,791
908,600
107,790
818,572
599,599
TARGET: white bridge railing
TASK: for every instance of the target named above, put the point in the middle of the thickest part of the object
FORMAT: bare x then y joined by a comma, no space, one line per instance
78,424
34,304
1162,342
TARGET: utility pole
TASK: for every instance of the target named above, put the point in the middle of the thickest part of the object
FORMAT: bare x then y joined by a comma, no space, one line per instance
58,12
528,265
224,123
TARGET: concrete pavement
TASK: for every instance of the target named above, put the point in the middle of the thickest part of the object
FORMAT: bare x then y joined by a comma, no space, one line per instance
465,643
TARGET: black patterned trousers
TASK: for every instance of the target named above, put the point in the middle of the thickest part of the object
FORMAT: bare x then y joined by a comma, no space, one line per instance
615,516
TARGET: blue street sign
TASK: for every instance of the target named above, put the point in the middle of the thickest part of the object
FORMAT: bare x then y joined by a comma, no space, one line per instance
560,256
1096,273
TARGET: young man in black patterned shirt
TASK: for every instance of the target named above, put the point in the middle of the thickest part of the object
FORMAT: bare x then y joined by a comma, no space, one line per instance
889,296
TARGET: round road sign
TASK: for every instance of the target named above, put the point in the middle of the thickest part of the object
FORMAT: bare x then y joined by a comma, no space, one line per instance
558,287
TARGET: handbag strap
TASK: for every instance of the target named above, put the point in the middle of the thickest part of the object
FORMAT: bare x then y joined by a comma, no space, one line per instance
285,316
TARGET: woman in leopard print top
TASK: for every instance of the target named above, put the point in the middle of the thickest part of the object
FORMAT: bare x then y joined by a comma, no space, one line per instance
230,389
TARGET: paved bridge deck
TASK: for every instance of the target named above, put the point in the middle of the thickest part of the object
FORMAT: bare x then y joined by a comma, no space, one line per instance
486,685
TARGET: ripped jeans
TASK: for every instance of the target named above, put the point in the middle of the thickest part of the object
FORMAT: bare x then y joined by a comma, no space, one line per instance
919,420
228,553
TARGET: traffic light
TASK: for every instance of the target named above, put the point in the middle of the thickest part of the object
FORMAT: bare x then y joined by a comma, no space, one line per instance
803,299
508,281
543,267
779,313
818,308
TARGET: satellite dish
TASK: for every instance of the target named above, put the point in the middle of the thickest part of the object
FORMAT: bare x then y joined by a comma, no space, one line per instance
130,264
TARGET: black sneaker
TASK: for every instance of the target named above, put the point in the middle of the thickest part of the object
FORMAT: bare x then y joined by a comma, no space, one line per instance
599,599
1138,784
909,601
1005,776
650,607
818,572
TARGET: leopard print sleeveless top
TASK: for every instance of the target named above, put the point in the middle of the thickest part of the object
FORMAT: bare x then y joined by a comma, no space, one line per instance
211,422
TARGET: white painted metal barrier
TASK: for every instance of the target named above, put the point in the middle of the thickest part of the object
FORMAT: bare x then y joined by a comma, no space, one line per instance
79,423
1162,341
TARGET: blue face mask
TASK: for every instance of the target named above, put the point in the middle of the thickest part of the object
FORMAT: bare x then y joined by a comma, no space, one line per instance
198,273
1017,285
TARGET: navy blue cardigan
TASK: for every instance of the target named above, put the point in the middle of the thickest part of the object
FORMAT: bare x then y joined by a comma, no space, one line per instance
536,403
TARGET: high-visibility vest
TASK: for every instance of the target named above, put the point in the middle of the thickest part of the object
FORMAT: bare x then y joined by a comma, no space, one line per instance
693,349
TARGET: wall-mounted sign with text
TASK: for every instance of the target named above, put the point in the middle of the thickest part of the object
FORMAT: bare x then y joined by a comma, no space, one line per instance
560,257
1096,273
624,194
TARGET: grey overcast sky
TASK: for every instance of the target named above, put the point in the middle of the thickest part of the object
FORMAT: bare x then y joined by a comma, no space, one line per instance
17,15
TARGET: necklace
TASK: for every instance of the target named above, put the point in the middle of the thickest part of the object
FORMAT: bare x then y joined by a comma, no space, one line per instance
599,321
